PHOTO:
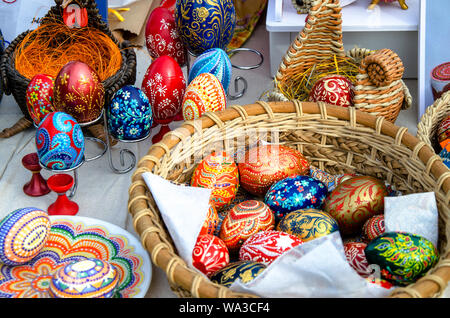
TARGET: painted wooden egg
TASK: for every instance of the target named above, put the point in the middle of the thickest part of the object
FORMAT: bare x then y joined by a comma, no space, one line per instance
164,85
204,94
79,92
39,97
328,179
266,246
205,25
87,278
161,36
244,220
60,142
23,233
334,90
214,61
402,257
129,114
211,222
210,254
263,166
373,228
354,252
245,271
295,193
354,201
443,131
218,172
307,224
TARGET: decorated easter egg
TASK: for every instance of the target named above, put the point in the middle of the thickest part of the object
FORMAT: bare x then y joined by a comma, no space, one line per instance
164,85
263,166
266,246
129,114
334,90
204,94
79,92
342,177
211,222
87,278
205,25
328,179
354,252
379,282
295,193
23,233
39,97
402,257
214,61
443,131
244,220
218,172
373,227
210,254
161,36
354,201
307,224
245,271
60,142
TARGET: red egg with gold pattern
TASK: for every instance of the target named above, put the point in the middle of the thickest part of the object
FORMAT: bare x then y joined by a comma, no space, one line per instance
265,165
161,36
334,90
39,97
164,85
79,92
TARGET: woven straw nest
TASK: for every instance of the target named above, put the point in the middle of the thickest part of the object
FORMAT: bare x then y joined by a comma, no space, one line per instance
378,86
431,119
335,139
16,84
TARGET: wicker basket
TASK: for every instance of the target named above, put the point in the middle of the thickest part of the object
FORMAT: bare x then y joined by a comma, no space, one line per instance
378,89
431,119
16,84
335,139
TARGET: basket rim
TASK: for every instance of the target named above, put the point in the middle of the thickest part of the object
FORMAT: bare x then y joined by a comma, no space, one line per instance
179,274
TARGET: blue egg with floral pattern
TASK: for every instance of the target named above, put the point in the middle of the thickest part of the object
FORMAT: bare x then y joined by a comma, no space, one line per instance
59,142
130,114
214,61
295,193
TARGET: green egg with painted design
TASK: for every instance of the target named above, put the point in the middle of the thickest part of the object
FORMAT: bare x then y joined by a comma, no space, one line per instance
403,257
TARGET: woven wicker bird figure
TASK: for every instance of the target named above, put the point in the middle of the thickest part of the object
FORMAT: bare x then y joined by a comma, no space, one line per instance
375,2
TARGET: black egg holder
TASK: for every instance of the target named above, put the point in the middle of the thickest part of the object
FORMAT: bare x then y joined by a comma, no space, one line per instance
238,79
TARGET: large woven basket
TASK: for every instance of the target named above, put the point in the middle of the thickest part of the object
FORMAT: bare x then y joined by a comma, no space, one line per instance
16,84
431,119
379,88
335,139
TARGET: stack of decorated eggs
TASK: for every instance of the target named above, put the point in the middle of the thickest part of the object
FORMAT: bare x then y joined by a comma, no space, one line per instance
286,202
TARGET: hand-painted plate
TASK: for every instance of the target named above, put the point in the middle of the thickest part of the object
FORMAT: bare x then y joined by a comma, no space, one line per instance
74,238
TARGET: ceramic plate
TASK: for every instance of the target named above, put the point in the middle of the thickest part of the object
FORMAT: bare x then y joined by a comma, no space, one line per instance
74,238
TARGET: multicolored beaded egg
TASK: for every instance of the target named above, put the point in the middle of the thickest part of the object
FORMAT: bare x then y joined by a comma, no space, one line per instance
88,278
328,179
245,271
210,254
218,172
307,224
295,193
39,97
204,94
373,228
129,114
244,220
23,233
60,142
214,61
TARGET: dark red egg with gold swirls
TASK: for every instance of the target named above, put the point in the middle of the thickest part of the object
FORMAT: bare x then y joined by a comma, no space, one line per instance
79,92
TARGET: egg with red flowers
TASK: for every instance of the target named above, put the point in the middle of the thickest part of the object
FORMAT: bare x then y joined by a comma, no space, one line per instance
354,252
334,90
266,246
164,85
79,92
39,97
161,36
210,254
204,94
